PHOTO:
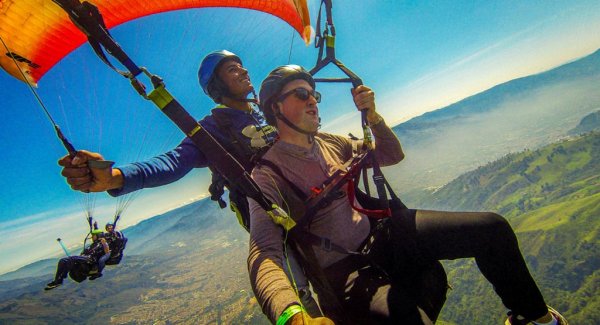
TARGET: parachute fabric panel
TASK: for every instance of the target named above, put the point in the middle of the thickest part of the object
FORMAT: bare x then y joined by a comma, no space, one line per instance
38,33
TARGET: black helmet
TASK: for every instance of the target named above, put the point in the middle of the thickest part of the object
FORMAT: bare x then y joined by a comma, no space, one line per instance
210,83
271,87
108,224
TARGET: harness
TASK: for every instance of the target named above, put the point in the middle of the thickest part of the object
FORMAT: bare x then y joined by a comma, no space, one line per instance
247,157
304,241
424,279
331,190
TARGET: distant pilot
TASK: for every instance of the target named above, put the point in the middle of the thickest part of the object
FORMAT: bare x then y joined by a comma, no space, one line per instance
97,253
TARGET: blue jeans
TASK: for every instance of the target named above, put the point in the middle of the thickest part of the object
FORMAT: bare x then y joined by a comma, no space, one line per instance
102,262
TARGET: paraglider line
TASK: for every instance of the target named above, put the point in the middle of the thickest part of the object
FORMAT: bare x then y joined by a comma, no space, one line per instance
28,82
291,45
59,133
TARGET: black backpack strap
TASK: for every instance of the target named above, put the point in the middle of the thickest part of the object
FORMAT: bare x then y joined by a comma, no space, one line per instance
297,191
307,237
379,181
89,20
239,205
217,188
237,143
322,242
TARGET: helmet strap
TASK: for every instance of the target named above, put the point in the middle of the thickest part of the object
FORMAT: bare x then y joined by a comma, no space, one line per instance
253,100
246,100
224,92
310,135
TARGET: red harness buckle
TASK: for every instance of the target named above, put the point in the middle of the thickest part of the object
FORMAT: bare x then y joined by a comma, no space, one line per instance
316,191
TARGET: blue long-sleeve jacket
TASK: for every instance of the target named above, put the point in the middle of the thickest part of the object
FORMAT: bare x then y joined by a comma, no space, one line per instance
176,163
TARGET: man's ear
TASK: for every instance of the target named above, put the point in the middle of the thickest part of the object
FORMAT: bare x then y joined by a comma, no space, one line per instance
276,109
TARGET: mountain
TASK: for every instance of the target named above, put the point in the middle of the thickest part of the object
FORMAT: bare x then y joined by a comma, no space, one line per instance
38,268
523,113
589,123
551,196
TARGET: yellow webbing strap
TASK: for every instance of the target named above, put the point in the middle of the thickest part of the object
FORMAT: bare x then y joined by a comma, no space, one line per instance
330,41
160,96
238,214
196,129
281,218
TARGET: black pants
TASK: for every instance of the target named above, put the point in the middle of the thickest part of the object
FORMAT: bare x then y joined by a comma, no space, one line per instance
66,264
391,293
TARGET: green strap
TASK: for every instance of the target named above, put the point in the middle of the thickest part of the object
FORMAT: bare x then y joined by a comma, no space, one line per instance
281,218
288,313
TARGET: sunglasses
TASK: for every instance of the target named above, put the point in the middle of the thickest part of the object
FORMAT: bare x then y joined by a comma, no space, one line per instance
302,94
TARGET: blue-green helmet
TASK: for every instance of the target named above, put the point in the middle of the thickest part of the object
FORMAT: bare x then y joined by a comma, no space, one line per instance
209,81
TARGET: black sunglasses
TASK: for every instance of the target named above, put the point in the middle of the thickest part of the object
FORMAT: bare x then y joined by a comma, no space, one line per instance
302,94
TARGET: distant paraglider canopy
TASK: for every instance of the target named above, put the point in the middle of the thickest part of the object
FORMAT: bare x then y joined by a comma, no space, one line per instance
38,33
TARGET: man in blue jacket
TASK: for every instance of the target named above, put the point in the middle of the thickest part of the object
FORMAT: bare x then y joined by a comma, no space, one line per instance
234,123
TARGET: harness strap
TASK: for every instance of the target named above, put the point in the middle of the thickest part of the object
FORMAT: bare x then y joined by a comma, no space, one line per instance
301,233
380,182
297,191
376,213
217,187
96,46
117,217
226,126
322,242
88,19
329,302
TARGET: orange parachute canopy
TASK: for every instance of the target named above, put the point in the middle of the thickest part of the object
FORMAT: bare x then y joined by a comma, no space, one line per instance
38,33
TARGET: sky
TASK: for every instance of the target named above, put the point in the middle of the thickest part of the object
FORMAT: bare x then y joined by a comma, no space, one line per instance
417,56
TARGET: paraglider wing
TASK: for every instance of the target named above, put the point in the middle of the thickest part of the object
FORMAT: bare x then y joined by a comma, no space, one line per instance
38,33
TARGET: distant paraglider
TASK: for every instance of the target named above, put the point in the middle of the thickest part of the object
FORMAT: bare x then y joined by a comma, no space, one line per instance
107,248
89,264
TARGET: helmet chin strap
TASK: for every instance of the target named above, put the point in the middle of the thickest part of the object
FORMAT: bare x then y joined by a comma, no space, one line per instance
252,100
246,100
310,135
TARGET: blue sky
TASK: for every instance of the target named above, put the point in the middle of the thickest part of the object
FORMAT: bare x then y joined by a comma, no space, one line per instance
416,55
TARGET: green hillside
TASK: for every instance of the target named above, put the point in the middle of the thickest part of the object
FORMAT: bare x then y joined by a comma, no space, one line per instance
552,198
